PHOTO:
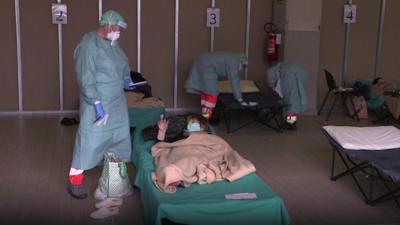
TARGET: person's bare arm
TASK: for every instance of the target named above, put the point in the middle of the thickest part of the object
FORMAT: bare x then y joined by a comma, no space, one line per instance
162,128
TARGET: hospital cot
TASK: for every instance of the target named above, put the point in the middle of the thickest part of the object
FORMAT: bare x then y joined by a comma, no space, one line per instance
268,111
200,204
371,151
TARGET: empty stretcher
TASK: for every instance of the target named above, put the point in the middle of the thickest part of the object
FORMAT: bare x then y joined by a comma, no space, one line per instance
371,151
268,111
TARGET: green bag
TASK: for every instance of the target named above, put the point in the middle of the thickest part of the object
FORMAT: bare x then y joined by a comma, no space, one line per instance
114,180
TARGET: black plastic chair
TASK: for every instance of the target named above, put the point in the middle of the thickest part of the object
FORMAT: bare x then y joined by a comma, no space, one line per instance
335,90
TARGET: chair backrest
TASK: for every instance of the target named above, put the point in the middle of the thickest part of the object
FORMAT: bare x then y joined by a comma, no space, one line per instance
330,81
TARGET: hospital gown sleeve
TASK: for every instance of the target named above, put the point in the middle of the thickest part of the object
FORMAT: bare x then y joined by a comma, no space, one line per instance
86,74
234,80
127,72
272,76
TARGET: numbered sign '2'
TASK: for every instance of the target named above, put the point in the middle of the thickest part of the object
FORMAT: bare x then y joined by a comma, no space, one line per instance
59,13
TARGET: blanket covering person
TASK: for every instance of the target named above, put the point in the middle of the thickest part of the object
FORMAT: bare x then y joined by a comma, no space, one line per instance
202,158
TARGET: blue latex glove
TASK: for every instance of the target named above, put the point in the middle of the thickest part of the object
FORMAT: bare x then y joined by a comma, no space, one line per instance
129,85
99,110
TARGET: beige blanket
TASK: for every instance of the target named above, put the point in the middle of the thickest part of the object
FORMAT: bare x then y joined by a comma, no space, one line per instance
202,158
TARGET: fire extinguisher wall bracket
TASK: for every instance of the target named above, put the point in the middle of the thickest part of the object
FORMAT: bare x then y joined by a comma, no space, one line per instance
270,28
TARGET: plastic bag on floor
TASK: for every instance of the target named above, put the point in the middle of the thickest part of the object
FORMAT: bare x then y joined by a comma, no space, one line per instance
114,180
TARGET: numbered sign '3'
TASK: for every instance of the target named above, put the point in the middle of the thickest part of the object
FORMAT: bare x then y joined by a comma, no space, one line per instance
213,18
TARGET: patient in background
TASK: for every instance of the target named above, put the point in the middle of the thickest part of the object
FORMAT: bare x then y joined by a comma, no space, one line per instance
373,93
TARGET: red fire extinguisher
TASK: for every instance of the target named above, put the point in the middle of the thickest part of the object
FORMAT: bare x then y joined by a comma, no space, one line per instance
271,44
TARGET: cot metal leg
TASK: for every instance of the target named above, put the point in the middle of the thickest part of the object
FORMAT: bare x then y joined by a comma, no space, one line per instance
390,193
238,128
267,117
253,118
333,165
354,107
351,172
333,105
278,122
227,114
323,102
371,186
227,118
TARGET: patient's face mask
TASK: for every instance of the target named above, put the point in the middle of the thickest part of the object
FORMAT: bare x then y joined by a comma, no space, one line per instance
193,127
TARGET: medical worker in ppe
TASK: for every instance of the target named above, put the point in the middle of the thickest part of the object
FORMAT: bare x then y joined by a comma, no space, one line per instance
103,73
289,81
204,74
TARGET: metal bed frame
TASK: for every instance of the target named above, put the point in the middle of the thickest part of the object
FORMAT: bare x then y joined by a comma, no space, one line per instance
371,172
268,112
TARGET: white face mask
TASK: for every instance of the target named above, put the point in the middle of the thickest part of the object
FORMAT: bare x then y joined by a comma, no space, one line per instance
113,36
193,127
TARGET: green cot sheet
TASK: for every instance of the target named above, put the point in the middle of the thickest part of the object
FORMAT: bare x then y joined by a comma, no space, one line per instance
143,117
202,204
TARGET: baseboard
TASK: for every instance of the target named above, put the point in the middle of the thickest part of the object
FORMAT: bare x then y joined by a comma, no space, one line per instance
31,113
182,110
75,112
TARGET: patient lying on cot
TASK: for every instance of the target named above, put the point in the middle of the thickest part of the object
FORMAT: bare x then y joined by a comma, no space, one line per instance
198,158
176,127
194,123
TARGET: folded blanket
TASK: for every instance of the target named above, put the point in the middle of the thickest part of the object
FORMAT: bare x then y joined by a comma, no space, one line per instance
202,158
